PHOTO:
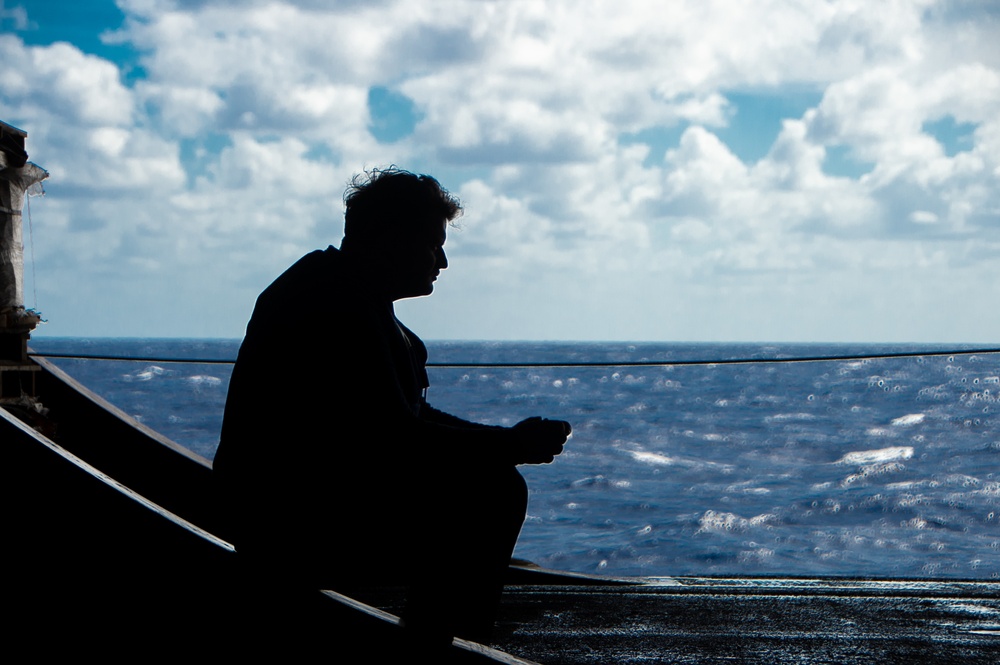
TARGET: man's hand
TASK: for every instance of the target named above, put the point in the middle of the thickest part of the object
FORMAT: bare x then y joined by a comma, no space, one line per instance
539,440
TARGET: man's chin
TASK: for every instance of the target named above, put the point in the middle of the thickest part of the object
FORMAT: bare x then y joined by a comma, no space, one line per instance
420,294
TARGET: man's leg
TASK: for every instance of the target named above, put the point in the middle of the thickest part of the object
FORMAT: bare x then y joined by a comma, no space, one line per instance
463,539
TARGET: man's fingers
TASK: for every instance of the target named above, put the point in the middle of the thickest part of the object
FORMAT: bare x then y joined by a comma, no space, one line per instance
543,438
560,428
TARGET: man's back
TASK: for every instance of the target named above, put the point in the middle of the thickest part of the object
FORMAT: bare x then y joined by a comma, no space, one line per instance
320,397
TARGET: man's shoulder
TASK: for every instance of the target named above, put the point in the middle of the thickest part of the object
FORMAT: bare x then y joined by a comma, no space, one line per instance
317,263
317,290
317,270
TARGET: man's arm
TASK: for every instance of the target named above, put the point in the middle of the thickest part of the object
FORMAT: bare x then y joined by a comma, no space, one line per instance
375,396
532,441
438,417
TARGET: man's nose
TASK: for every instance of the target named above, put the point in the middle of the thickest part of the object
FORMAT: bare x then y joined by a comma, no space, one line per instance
442,260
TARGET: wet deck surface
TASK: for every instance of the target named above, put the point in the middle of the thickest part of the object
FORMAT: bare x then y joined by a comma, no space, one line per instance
697,620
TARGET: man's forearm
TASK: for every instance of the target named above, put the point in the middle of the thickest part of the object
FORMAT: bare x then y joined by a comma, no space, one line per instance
429,414
532,441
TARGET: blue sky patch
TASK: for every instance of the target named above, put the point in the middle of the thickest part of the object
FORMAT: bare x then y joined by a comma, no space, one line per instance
393,115
840,162
754,124
321,152
659,139
755,120
198,153
81,24
954,136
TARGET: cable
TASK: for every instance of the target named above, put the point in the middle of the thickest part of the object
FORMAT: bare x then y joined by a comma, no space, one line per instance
635,363
138,359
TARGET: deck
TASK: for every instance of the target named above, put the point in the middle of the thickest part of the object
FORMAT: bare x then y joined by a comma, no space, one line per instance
703,620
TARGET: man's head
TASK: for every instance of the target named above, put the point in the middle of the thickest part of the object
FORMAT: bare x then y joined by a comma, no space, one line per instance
386,204
396,220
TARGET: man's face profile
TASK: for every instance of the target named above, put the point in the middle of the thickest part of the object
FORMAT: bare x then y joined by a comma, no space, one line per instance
416,260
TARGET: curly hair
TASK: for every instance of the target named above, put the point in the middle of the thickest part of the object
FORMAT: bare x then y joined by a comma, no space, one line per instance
392,201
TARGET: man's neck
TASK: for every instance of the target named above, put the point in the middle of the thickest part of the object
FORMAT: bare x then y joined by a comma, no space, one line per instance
370,270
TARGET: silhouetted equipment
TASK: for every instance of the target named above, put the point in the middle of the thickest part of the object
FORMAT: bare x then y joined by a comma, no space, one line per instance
17,175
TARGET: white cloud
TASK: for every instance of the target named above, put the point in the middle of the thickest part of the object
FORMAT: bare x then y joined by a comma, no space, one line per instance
62,82
185,111
83,122
522,105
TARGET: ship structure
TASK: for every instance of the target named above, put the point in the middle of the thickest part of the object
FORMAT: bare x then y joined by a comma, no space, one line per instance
18,176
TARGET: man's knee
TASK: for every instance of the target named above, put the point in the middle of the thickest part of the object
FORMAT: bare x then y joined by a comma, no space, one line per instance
504,486
518,491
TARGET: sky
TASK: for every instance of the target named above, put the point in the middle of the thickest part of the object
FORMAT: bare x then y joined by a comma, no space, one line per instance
703,170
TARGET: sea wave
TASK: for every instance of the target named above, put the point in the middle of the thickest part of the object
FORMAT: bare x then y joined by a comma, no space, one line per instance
861,457
147,374
909,419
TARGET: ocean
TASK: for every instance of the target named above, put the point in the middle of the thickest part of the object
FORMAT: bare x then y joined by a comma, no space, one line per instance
885,468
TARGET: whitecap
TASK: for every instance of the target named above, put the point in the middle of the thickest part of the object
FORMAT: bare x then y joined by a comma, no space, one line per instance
659,459
652,458
205,380
872,470
989,489
590,480
784,417
746,487
962,480
146,374
880,455
713,522
909,419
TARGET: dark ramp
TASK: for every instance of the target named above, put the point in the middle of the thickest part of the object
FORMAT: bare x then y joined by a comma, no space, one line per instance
701,620
94,569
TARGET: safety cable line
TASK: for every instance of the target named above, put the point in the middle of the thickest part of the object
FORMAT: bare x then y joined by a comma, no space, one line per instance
138,359
625,363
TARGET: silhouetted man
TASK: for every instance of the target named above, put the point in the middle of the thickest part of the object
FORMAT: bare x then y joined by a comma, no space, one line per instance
337,472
